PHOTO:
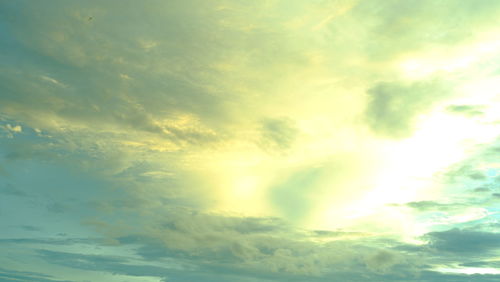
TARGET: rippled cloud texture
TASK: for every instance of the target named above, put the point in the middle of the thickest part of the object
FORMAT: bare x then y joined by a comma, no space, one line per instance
237,140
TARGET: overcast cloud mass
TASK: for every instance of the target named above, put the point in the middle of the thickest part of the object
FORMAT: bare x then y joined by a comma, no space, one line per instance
200,140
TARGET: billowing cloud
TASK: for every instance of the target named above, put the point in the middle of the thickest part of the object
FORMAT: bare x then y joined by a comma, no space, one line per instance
232,141
393,107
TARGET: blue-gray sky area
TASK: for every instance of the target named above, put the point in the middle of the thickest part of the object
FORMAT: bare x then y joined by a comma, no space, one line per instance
322,140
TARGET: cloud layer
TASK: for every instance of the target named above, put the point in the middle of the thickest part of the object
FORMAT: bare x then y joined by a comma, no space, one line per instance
232,141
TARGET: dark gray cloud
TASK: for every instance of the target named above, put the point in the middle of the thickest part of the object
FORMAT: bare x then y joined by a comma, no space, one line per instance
393,106
477,175
482,189
463,241
283,258
467,110
278,134
382,260
433,206
493,264
434,276
337,233
13,275
110,264
116,93
266,249
50,241
473,168
453,206
30,228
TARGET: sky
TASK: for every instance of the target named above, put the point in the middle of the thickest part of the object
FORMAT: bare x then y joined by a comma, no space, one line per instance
231,140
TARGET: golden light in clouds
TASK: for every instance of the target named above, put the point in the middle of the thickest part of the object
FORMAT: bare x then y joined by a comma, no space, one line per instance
373,172
200,140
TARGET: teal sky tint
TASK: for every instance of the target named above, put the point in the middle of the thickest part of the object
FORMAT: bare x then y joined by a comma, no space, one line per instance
332,140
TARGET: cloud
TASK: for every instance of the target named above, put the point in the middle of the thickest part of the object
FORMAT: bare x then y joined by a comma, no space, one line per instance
494,264
381,261
49,241
435,206
30,228
131,124
463,241
11,130
467,110
278,134
111,264
256,247
399,28
13,275
438,276
479,167
482,189
16,128
150,103
477,175
394,106
262,246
